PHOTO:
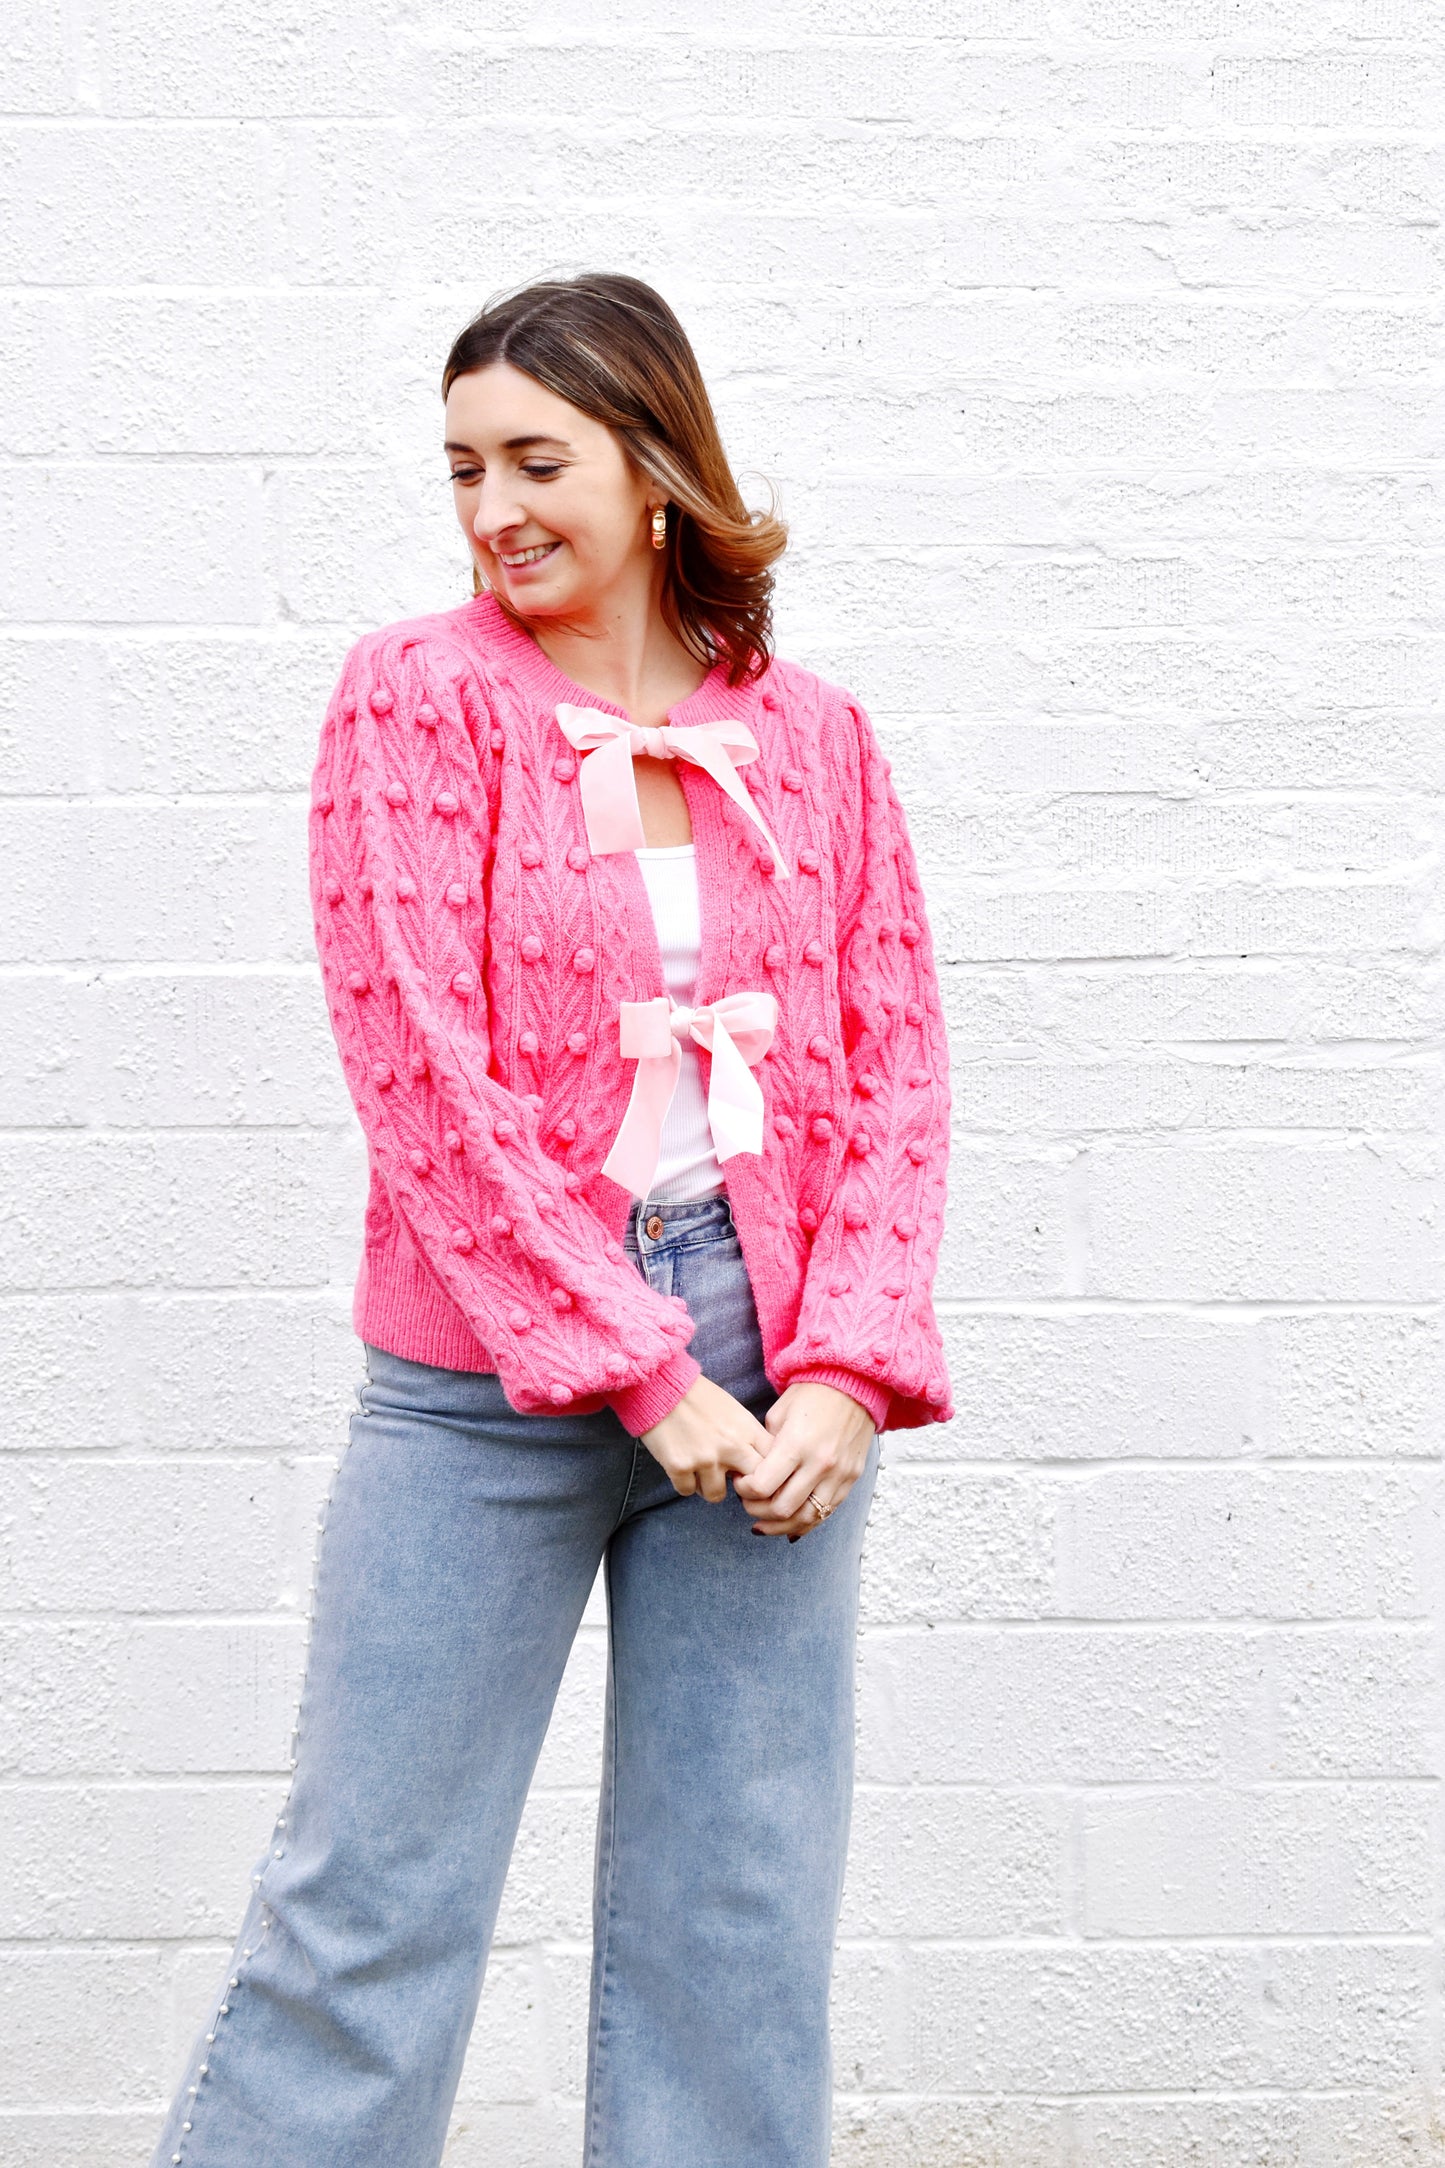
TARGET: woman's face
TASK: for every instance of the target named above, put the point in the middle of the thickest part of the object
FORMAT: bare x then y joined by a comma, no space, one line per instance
556,515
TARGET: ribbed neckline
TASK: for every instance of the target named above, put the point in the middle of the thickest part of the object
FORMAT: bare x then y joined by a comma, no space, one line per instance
713,701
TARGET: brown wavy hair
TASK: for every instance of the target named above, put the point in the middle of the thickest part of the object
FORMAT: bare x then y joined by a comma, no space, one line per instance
611,346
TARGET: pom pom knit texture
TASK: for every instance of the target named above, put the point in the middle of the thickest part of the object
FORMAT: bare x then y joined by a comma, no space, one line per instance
474,954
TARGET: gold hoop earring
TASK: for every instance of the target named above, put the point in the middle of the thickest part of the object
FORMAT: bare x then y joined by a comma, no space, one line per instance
659,528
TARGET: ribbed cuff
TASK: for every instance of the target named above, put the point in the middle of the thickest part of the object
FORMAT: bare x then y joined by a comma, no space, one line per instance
639,1406
868,1393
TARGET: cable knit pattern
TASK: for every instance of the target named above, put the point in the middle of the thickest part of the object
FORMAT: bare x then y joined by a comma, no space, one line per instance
474,955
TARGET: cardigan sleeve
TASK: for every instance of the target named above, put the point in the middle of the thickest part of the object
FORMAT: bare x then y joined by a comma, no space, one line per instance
867,1323
401,841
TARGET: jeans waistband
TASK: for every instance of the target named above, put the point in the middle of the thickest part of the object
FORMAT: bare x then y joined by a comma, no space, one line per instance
685,1222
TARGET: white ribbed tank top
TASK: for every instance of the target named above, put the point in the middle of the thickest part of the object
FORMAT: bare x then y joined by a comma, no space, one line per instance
687,1165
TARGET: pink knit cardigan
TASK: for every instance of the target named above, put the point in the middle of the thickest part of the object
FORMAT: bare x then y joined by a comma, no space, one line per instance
474,954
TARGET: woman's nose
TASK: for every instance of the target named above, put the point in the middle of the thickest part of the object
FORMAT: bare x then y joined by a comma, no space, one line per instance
495,513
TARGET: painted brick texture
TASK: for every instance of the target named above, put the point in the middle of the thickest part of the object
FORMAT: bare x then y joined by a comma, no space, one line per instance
1095,349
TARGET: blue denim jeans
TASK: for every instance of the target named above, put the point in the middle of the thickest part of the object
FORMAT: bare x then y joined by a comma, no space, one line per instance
460,1545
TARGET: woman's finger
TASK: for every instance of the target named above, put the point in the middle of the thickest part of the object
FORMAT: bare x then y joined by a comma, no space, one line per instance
791,1499
738,1456
772,1471
801,1524
829,1493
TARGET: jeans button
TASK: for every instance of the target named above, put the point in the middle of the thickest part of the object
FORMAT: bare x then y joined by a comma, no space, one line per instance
654,1227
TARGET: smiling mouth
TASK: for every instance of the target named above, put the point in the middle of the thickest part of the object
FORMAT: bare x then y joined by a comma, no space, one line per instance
519,559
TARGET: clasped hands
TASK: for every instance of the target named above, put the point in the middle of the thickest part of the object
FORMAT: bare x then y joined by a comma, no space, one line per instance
791,1470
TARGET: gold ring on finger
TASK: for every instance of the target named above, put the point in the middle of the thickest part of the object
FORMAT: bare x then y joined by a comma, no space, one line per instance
819,1508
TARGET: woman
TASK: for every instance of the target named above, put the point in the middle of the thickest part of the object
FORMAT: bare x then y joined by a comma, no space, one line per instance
623,1246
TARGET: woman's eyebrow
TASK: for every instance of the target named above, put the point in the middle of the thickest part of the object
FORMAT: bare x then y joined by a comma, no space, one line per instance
512,444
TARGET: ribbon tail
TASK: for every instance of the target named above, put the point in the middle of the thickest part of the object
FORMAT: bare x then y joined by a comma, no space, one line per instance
718,763
632,1159
734,1097
608,784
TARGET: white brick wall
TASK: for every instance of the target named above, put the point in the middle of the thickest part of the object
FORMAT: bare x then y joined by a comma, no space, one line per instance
1096,349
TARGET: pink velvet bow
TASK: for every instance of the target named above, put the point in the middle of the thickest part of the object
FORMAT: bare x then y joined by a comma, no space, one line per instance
737,1030
609,785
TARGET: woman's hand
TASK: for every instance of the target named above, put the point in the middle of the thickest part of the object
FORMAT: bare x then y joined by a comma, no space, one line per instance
820,1440
704,1439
